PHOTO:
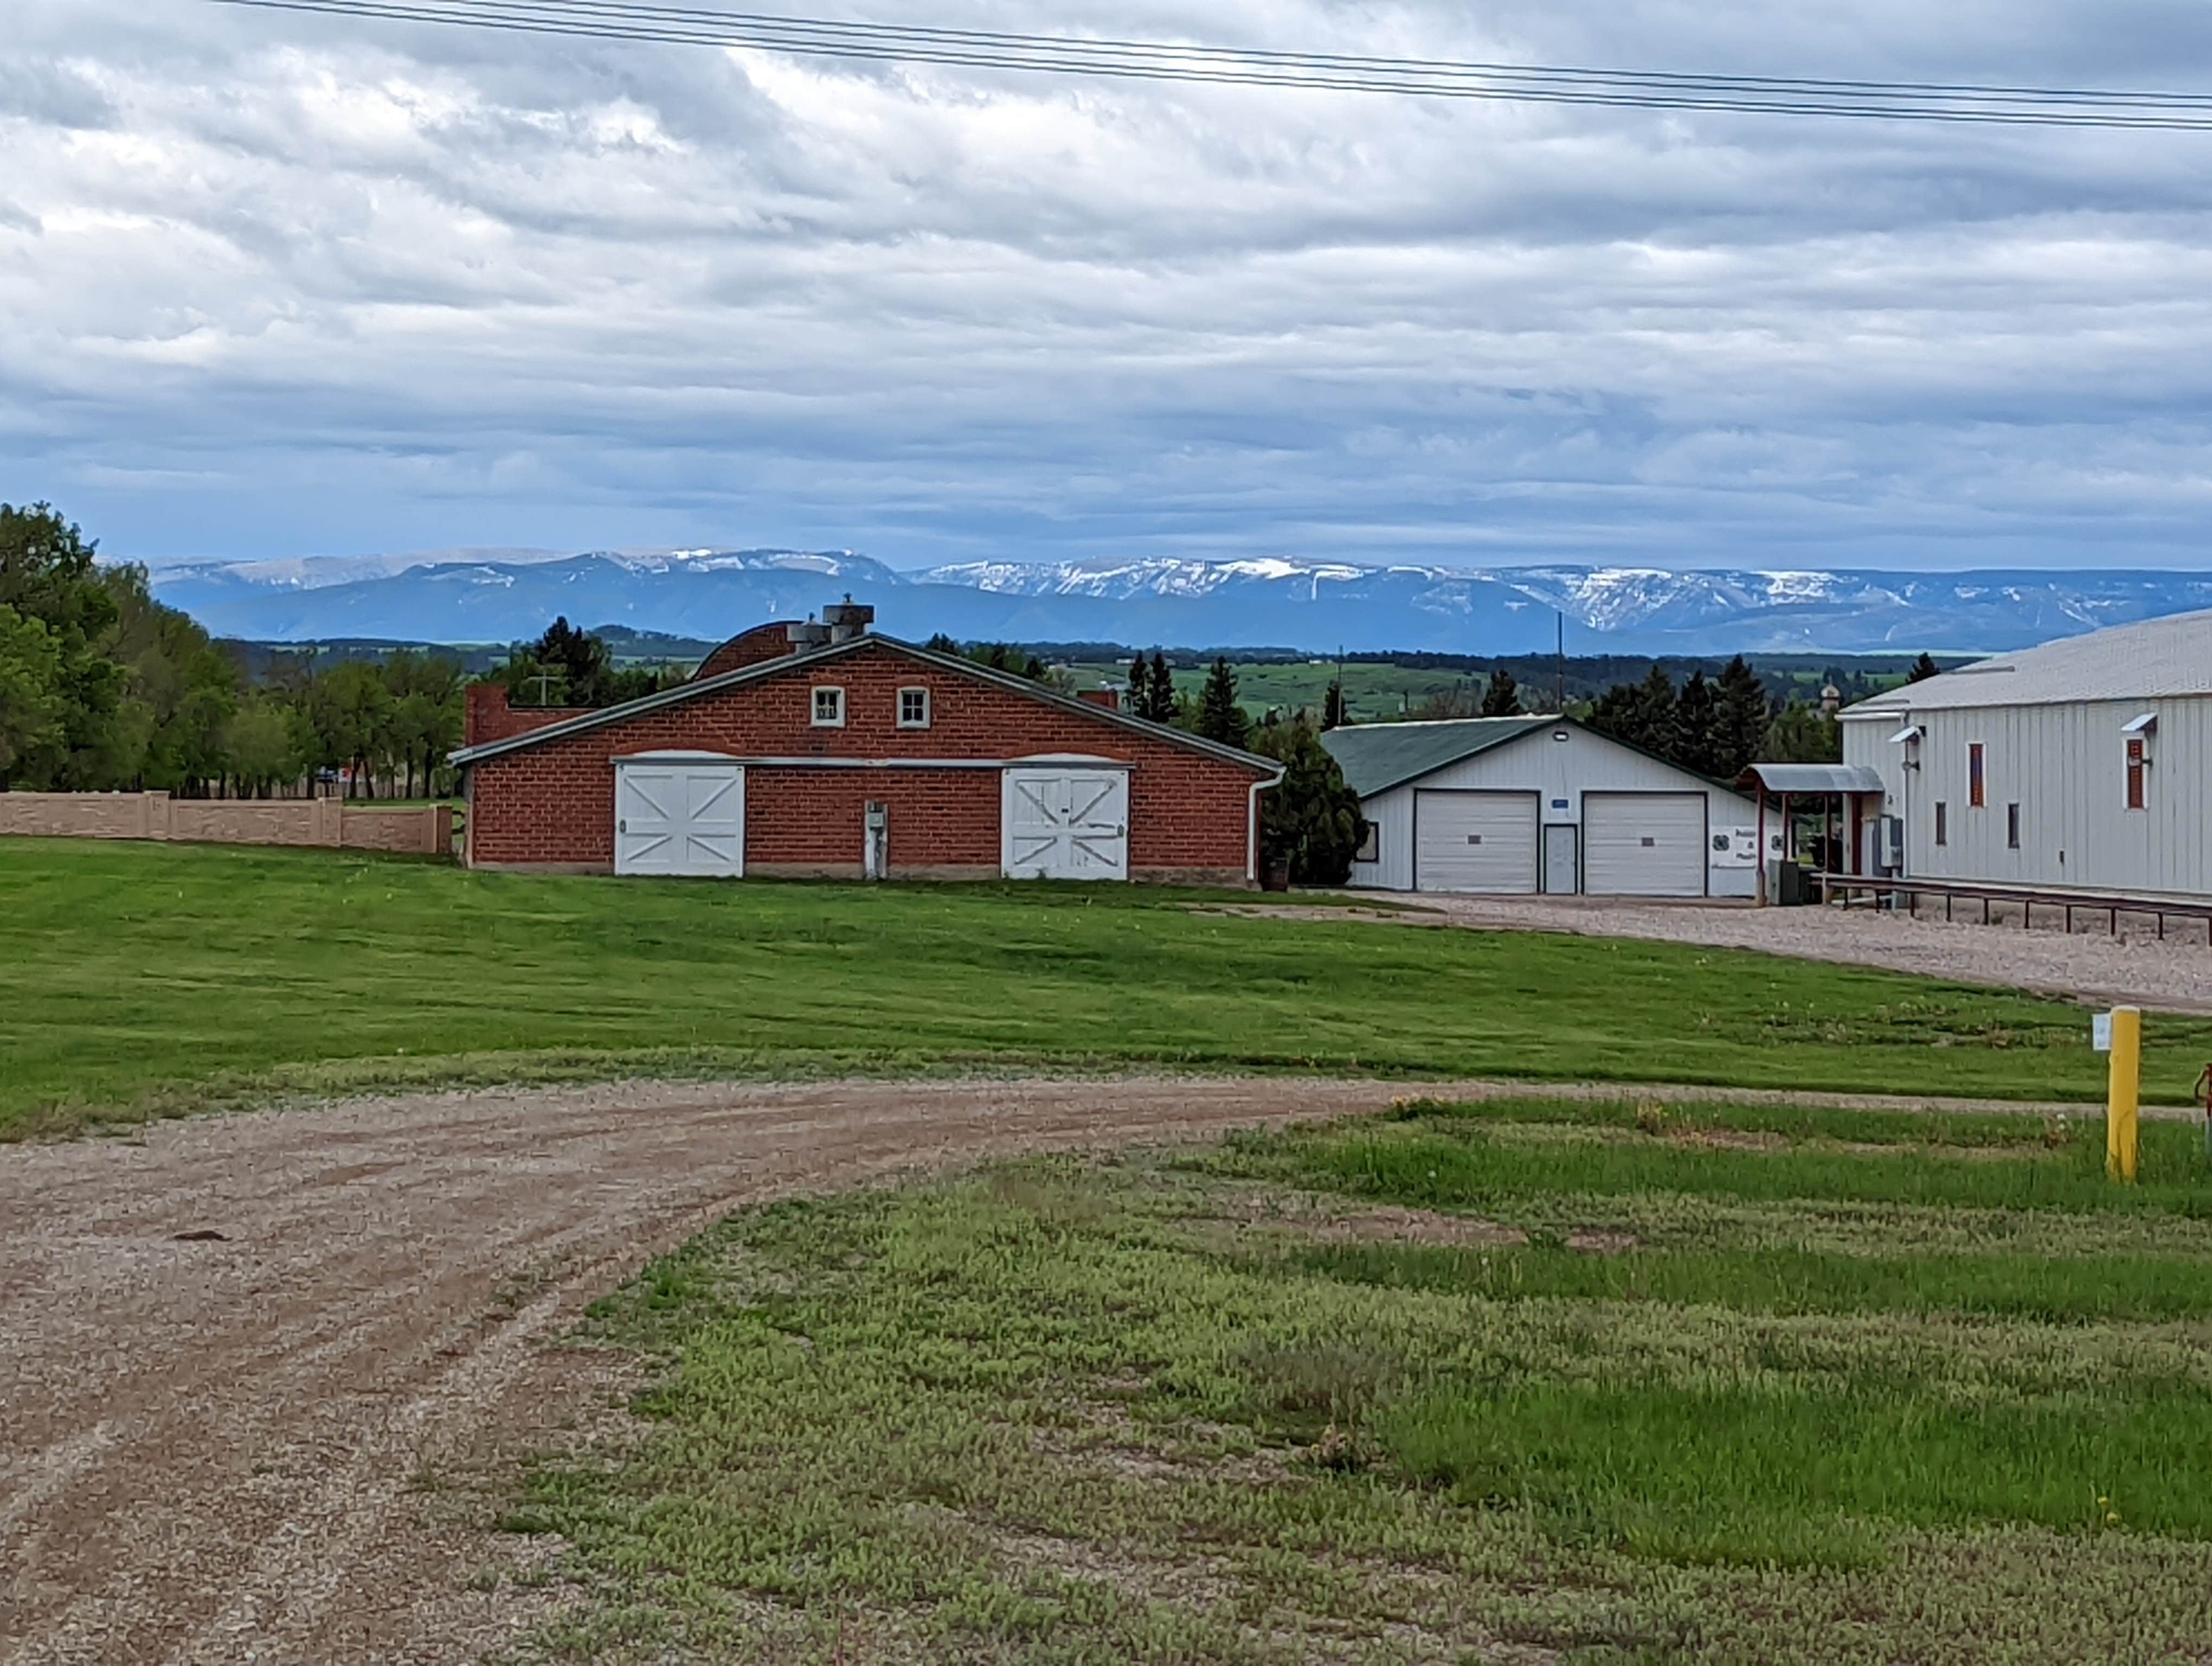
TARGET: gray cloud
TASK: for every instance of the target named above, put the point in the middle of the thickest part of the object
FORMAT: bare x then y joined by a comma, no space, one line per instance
279,283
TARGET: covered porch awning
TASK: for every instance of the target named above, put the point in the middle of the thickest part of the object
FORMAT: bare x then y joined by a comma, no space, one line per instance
1838,788
1810,780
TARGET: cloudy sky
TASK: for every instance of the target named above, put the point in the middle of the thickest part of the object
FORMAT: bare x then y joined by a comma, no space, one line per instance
279,284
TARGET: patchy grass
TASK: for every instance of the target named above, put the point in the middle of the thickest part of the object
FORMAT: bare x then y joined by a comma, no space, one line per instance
1190,1405
138,979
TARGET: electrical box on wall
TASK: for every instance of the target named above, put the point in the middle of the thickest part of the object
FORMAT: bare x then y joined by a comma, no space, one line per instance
1889,843
876,840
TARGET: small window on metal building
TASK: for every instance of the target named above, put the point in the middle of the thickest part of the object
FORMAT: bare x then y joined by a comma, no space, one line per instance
914,709
829,708
1942,822
2012,827
1977,782
2135,794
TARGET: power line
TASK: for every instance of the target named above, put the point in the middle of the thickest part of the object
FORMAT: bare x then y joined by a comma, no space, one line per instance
1922,102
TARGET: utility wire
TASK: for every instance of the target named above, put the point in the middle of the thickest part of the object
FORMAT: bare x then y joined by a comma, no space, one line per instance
1924,101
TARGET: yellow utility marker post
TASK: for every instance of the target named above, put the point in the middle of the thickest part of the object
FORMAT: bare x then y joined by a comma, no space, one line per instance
2124,1093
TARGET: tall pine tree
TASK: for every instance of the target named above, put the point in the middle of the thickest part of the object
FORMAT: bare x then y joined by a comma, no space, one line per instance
1331,705
1220,717
1160,692
1739,723
1656,715
1502,698
1923,668
1696,715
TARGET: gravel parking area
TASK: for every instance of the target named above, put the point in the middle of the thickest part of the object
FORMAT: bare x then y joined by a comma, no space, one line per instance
2173,975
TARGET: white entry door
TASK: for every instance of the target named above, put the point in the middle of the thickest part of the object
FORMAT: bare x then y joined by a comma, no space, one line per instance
1065,822
1481,842
1644,844
683,817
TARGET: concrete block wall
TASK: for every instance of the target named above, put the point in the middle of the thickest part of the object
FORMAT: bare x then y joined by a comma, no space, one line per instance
422,830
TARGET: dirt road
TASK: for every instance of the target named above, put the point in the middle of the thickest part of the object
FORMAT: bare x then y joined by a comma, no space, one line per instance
212,1447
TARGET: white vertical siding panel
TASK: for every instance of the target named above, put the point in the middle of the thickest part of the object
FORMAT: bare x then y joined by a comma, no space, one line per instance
1552,770
2065,766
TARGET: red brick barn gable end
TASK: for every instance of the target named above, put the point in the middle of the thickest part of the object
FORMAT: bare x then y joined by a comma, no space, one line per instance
552,804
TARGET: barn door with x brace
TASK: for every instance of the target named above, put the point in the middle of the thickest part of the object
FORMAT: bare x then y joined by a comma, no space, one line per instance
1066,822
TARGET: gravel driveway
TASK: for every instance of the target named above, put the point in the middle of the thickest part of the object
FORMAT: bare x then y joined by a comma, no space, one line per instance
2172,977
243,1358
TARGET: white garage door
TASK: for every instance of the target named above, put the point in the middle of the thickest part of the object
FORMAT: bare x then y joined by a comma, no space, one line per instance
1644,844
1476,841
680,816
1065,822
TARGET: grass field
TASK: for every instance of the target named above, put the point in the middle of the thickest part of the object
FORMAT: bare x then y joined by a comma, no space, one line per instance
138,978
1594,1382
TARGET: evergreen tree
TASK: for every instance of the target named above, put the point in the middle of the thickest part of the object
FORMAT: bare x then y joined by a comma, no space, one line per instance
1219,716
1163,709
1311,817
1697,714
1923,668
1503,697
1137,699
1656,713
1741,720
1331,705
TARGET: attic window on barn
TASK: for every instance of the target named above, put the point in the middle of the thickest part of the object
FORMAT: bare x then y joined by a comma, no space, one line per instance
914,709
829,708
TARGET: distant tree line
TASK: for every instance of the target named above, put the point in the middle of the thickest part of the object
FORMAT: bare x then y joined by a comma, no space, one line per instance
104,689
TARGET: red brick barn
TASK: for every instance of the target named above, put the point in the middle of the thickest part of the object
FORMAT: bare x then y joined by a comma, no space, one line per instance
792,755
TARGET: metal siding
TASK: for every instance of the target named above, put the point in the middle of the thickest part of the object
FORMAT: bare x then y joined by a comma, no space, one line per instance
1616,862
1552,770
1480,842
1392,812
2065,765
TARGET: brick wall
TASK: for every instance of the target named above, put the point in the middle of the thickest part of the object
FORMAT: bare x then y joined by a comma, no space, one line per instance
553,805
767,641
489,715
425,829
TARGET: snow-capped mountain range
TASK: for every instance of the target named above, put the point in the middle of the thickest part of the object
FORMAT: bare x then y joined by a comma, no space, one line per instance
500,595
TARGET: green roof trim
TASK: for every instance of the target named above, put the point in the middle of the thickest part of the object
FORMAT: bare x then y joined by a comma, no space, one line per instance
1376,757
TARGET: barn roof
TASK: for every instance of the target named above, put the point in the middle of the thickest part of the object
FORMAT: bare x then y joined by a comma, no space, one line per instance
2153,659
1376,757
763,670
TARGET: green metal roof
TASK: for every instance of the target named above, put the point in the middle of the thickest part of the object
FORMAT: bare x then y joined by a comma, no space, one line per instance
1376,757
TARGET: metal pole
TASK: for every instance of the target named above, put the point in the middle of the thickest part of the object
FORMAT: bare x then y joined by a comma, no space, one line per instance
2125,1084
1762,846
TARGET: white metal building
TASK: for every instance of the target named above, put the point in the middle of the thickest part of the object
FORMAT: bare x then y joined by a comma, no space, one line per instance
2080,764
1522,805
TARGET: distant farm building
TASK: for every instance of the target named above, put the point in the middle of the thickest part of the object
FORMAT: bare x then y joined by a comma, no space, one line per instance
2081,764
827,751
1524,806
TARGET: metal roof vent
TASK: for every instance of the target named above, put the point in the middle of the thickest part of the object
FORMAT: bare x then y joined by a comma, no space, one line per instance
848,619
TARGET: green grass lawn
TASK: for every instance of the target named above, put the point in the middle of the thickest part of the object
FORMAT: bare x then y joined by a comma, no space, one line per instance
136,978
1337,1394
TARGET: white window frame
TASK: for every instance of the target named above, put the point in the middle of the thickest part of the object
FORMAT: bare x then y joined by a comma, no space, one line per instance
837,719
921,723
